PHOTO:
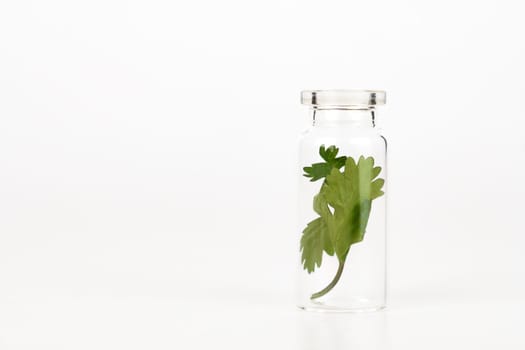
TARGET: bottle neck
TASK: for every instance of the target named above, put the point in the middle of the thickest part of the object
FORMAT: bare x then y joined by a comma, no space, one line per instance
344,117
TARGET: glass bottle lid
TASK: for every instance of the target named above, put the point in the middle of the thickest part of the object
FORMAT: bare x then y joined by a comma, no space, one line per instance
343,98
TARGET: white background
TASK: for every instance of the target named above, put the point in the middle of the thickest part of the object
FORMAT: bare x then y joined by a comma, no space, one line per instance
148,162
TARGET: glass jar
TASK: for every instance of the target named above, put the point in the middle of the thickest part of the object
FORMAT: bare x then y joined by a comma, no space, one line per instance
342,203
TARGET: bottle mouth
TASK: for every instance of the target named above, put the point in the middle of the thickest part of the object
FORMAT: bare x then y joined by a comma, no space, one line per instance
343,98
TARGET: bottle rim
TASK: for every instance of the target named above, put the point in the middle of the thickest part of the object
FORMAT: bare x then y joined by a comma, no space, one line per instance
343,98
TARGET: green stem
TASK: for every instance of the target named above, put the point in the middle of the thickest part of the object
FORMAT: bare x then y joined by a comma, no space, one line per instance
332,284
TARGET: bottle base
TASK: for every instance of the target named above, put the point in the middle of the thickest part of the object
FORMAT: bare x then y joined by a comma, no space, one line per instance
358,305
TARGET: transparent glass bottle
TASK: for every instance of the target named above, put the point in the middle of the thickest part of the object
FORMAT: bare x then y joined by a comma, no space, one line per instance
342,203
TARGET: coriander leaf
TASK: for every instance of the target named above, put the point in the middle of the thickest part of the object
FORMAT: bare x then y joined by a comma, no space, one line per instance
314,240
343,204
329,153
321,207
320,170
318,236
350,193
375,190
317,171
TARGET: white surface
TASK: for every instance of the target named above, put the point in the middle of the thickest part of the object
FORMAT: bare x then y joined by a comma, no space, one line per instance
147,161
63,319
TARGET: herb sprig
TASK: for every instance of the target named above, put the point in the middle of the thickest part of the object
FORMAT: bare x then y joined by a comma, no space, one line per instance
343,204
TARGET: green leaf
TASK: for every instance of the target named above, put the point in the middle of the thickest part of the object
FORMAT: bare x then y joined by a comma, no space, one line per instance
318,235
329,153
321,208
314,241
343,204
350,193
320,170
375,191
